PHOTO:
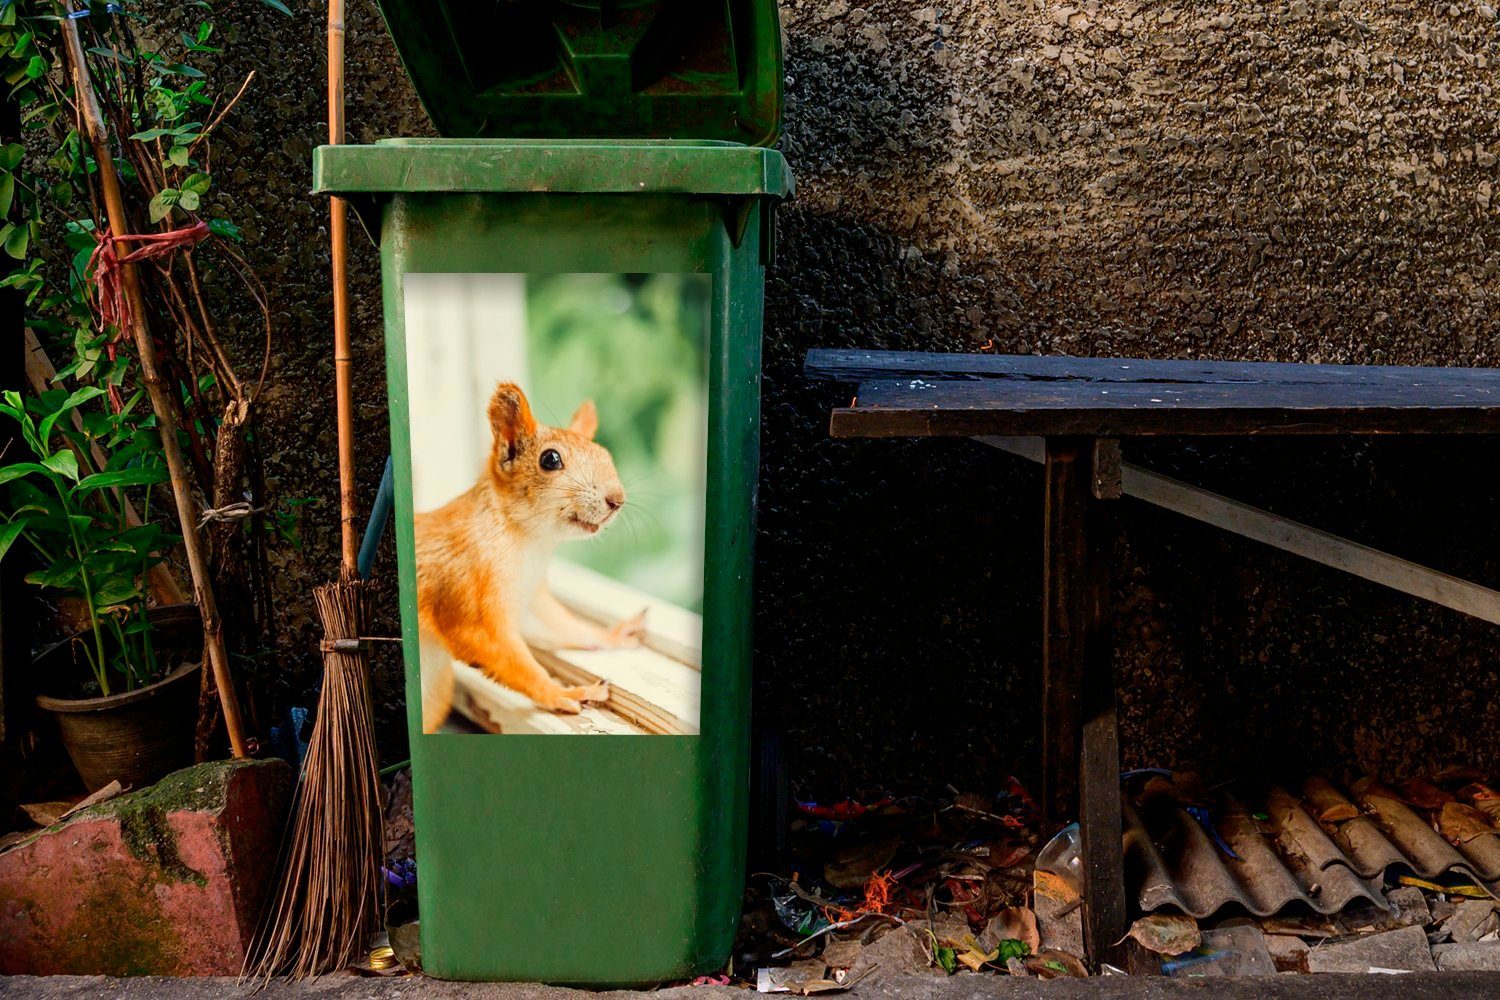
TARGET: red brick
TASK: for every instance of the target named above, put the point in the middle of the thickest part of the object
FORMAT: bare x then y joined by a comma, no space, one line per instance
165,881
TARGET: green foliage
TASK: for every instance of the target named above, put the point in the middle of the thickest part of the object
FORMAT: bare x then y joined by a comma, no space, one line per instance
76,522
71,514
637,346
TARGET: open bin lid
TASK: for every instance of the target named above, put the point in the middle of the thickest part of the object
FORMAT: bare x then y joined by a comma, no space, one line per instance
644,69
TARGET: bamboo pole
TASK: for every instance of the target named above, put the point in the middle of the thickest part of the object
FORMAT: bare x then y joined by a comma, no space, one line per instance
343,361
161,398
329,901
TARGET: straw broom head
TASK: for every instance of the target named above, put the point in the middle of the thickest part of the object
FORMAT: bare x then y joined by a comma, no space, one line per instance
330,896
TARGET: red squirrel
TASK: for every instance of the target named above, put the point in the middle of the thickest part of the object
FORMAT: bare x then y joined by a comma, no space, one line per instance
482,558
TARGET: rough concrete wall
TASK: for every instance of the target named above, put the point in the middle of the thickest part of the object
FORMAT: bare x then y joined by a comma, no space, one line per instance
1304,181
1283,181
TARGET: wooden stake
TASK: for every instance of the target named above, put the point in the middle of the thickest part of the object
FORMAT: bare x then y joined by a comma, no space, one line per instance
343,361
161,398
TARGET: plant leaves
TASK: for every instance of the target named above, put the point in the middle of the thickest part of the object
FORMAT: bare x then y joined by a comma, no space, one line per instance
11,155
17,240
188,201
278,6
10,532
18,469
61,573
116,592
161,205
198,183
78,396
7,191
64,463
122,477
225,228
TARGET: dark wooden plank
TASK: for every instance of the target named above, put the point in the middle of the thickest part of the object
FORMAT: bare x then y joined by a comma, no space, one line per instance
923,408
862,366
1100,826
1065,590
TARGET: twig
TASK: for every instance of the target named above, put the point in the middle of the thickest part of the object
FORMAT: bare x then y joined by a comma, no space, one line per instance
202,135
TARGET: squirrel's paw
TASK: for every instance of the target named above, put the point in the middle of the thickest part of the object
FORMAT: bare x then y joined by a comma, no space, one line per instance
588,692
627,633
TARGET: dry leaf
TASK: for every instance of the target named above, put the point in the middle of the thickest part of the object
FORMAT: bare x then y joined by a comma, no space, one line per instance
1166,933
48,813
1052,964
1459,823
1326,804
1016,923
45,813
1485,799
104,794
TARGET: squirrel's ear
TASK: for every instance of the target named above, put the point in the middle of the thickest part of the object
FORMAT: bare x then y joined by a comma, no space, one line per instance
586,420
510,418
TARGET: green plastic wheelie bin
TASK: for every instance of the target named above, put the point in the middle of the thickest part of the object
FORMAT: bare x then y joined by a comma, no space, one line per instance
592,232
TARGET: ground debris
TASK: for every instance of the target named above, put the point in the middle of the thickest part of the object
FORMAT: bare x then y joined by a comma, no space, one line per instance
880,885
1403,950
1166,933
1472,919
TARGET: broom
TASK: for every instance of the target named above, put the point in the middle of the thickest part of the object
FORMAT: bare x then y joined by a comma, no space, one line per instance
329,901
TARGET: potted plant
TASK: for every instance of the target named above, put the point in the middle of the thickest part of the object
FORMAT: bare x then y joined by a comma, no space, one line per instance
120,688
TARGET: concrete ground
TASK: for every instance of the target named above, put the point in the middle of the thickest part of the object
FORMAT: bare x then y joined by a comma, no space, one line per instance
1422,986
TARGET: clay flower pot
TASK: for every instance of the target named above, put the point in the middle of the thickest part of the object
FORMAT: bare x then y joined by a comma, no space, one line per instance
140,736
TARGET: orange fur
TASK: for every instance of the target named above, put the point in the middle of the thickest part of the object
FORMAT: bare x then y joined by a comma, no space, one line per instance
482,557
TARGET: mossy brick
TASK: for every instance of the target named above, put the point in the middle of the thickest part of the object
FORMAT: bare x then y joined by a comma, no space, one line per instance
165,881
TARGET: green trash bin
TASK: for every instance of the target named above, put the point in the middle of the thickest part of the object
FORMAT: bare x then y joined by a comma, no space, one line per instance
573,293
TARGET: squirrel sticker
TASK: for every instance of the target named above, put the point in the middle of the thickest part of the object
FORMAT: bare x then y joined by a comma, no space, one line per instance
482,558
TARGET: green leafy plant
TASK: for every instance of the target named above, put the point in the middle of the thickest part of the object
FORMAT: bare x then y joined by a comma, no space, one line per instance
208,312
79,523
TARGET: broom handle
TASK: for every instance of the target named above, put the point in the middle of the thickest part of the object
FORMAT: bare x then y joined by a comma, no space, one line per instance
342,360
161,400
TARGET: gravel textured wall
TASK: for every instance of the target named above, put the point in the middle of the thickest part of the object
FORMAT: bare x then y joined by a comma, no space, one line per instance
1307,180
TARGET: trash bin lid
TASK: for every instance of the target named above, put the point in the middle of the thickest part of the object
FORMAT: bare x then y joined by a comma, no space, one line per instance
651,69
579,166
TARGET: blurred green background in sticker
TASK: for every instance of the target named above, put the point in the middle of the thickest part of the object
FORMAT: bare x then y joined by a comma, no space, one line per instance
636,345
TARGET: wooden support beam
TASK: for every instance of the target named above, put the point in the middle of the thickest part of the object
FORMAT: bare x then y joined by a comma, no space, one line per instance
1080,737
1291,536
1064,606
1100,827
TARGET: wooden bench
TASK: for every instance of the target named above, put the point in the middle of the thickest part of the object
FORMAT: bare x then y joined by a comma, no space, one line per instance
1071,414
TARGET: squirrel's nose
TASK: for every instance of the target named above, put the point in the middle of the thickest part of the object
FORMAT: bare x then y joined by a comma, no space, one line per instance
615,499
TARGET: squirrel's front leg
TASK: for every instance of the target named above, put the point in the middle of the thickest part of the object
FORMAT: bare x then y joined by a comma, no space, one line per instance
504,657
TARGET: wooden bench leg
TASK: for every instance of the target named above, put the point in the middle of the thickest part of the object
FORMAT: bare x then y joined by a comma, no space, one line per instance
1081,758
1064,606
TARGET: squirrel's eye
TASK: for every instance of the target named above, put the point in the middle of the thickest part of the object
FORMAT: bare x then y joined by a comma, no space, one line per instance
550,460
